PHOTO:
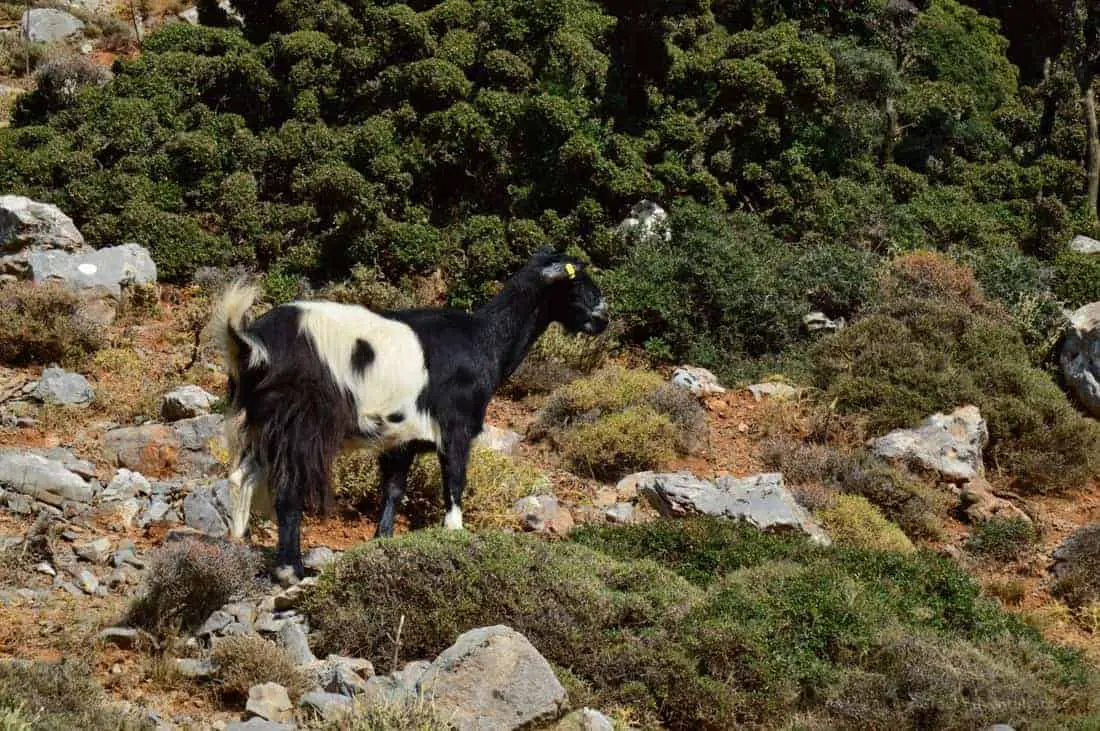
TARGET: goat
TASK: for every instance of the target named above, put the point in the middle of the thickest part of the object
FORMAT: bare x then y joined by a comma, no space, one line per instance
310,378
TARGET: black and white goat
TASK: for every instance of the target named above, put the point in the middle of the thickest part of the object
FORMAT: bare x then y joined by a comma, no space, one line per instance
308,379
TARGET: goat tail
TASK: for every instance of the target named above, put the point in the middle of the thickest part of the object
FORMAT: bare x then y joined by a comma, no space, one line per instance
227,326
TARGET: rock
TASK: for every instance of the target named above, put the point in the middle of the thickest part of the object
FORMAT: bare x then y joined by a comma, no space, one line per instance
41,478
243,612
980,504
818,322
125,638
44,567
96,551
492,677
761,500
329,706
197,437
152,449
699,381
646,219
159,510
294,641
215,623
269,701
409,676
19,504
199,513
88,581
346,681
46,25
1080,357
27,225
186,402
58,386
1084,245
191,15
258,724
543,514
317,558
289,598
948,444
500,440
71,588
108,270
195,669
776,391
585,719
620,513
118,514
126,484
268,624
1078,545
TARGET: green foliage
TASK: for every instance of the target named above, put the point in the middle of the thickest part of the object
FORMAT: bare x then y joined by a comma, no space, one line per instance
1002,539
853,521
620,420
932,343
1077,278
772,629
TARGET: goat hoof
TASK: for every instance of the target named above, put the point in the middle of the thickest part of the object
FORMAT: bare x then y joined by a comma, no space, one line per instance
286,576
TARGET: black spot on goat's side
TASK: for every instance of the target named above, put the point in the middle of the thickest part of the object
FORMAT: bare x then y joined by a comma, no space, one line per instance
361,357
396,417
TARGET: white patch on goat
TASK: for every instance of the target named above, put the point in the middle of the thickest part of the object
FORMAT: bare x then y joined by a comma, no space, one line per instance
453,519
390,384
249,493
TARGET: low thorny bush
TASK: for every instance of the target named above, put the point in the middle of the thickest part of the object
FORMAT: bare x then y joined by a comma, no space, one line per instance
189,579
620,420
245,661
42,324
705,624
57,697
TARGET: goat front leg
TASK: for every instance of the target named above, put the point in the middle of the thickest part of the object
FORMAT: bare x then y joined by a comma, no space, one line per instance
394,466
453,459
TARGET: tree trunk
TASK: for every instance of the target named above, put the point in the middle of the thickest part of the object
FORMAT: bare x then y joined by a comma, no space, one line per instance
1092,159
893,132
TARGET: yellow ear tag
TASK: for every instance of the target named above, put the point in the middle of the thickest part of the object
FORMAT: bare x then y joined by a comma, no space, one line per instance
571,271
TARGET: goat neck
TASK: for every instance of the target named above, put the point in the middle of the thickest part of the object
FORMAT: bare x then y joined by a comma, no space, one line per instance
513,320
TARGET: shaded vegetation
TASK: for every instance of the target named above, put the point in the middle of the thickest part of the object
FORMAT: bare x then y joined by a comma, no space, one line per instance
57,697
43,324
709,625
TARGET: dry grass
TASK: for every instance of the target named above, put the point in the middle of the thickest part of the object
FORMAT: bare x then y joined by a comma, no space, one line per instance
414,714
128,384
618,444
494,482
43,324
250,660
558,358
56,697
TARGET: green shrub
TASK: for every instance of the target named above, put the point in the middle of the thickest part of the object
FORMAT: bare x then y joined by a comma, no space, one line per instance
56,697
557,358
778,629
620,420
852,520
619,443
1077,278
931,343
1002,539
188,580
494,482
44,324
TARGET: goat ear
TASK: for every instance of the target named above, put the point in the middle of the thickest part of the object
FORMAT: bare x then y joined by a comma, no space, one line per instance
559,271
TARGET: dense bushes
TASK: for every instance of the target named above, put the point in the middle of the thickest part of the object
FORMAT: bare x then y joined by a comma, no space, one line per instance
770,630
620,420
931,342
56,697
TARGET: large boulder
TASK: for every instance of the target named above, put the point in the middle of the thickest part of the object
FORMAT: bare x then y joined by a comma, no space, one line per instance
1084,245
492,678
41,478
109,269
761,500
47,25
27,225
58,386
186,402
947,444
161,450
1080,357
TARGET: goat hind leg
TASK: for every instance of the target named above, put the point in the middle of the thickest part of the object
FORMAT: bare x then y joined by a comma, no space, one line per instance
394,466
